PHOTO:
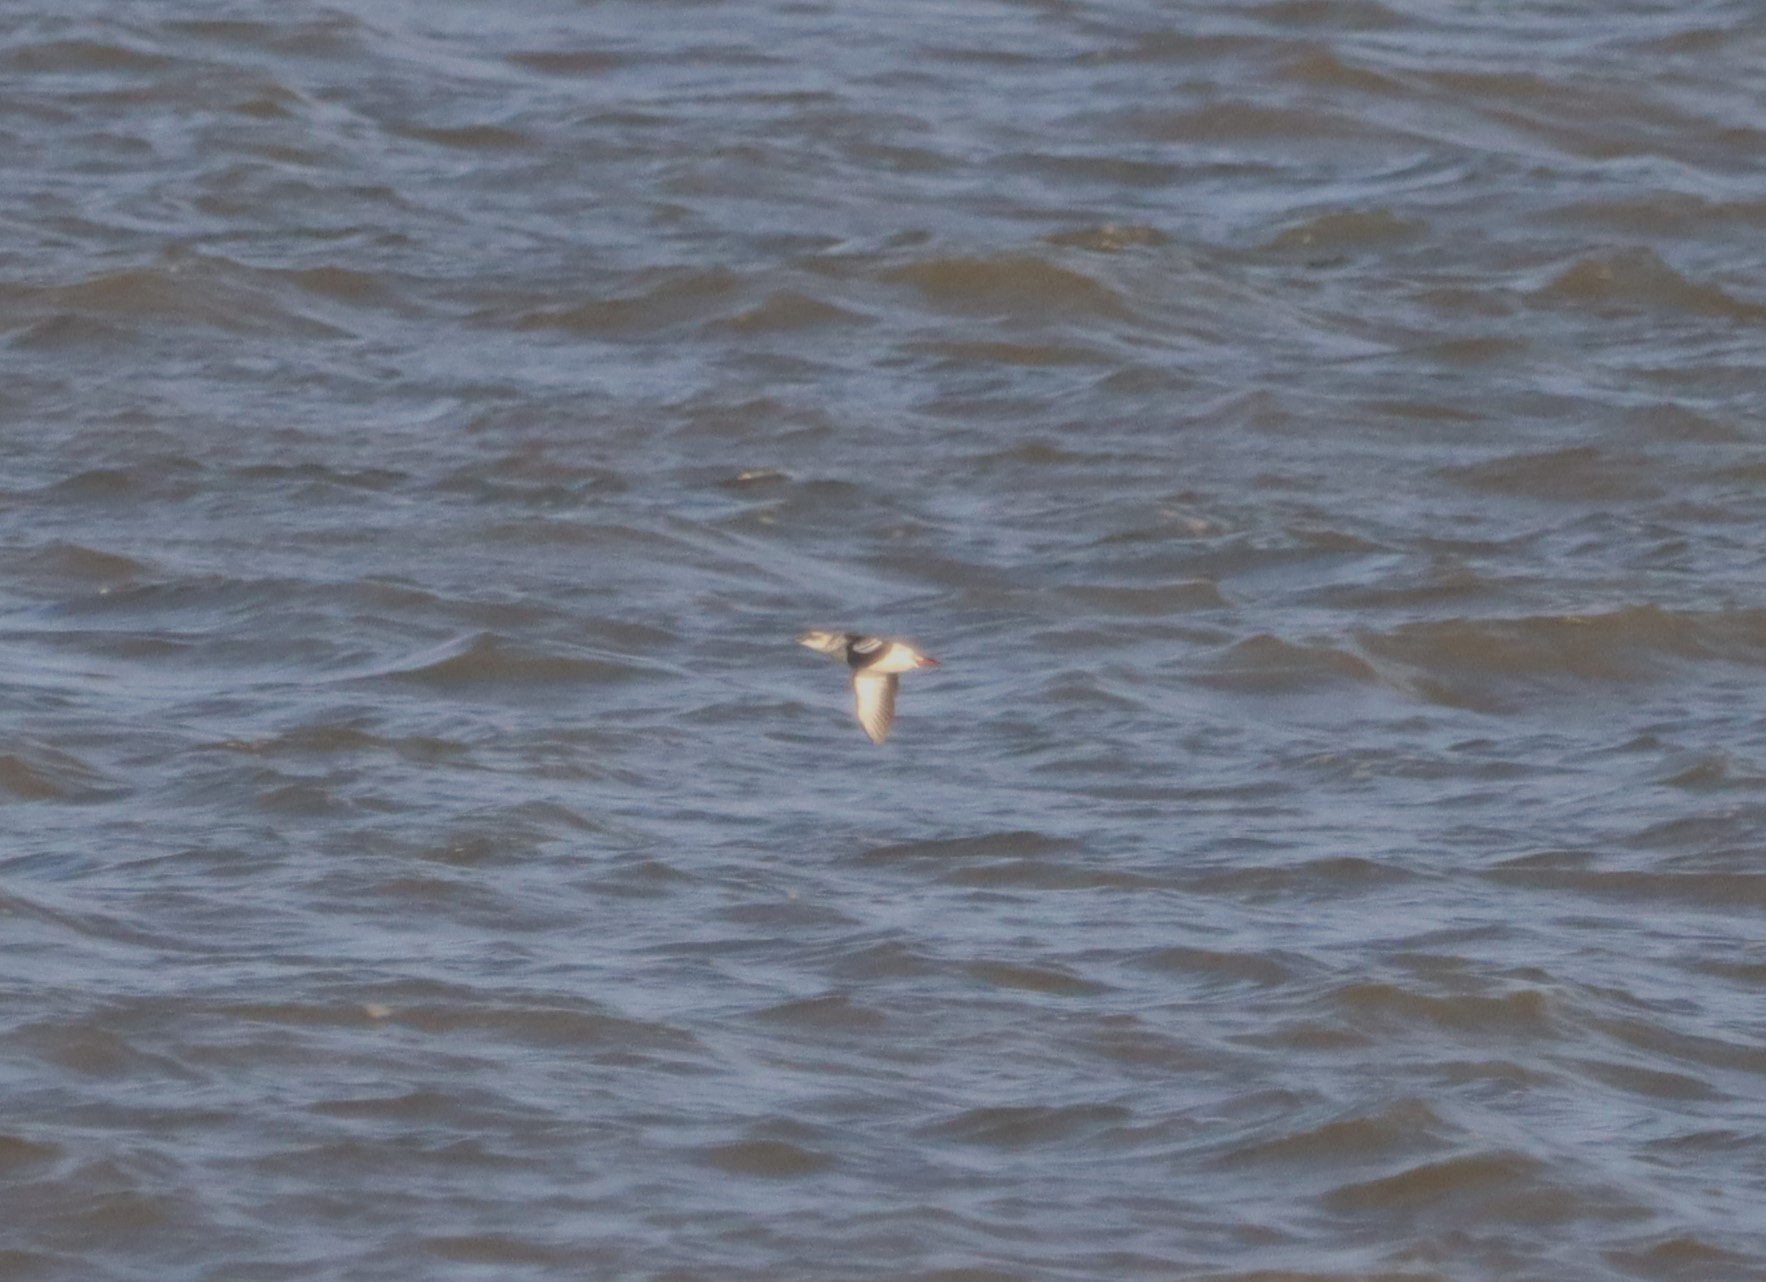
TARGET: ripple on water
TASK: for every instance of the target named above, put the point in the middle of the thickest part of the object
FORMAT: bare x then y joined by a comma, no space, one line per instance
1020,285
1270,665
767,1159
1639,280
1399,1130
1375,1006
1497,1182
38,772
486,661
60,564
206,292
995,845
1741,891
1493,660
1028,1125
830,1011
654,302
1576,475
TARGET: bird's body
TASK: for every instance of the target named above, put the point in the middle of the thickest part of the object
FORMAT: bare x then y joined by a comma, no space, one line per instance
876,665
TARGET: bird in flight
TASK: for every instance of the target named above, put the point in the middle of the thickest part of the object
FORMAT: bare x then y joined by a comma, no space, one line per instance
876,664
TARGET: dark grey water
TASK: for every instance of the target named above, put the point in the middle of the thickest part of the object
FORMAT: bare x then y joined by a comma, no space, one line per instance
1322,439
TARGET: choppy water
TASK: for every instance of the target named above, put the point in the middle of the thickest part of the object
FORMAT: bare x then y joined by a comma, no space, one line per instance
1321,438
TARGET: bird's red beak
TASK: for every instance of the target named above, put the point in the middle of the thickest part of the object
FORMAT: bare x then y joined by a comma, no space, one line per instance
921,661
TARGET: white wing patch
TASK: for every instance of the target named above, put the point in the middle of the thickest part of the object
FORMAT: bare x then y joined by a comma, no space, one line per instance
874,696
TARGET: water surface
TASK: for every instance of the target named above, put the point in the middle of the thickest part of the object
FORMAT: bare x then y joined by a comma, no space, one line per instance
1321,439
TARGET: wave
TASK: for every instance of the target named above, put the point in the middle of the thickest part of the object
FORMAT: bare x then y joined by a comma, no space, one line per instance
487,659
1019,284
1489,662
32,771
1638,279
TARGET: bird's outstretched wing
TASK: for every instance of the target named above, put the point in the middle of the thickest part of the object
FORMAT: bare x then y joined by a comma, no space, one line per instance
874,697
